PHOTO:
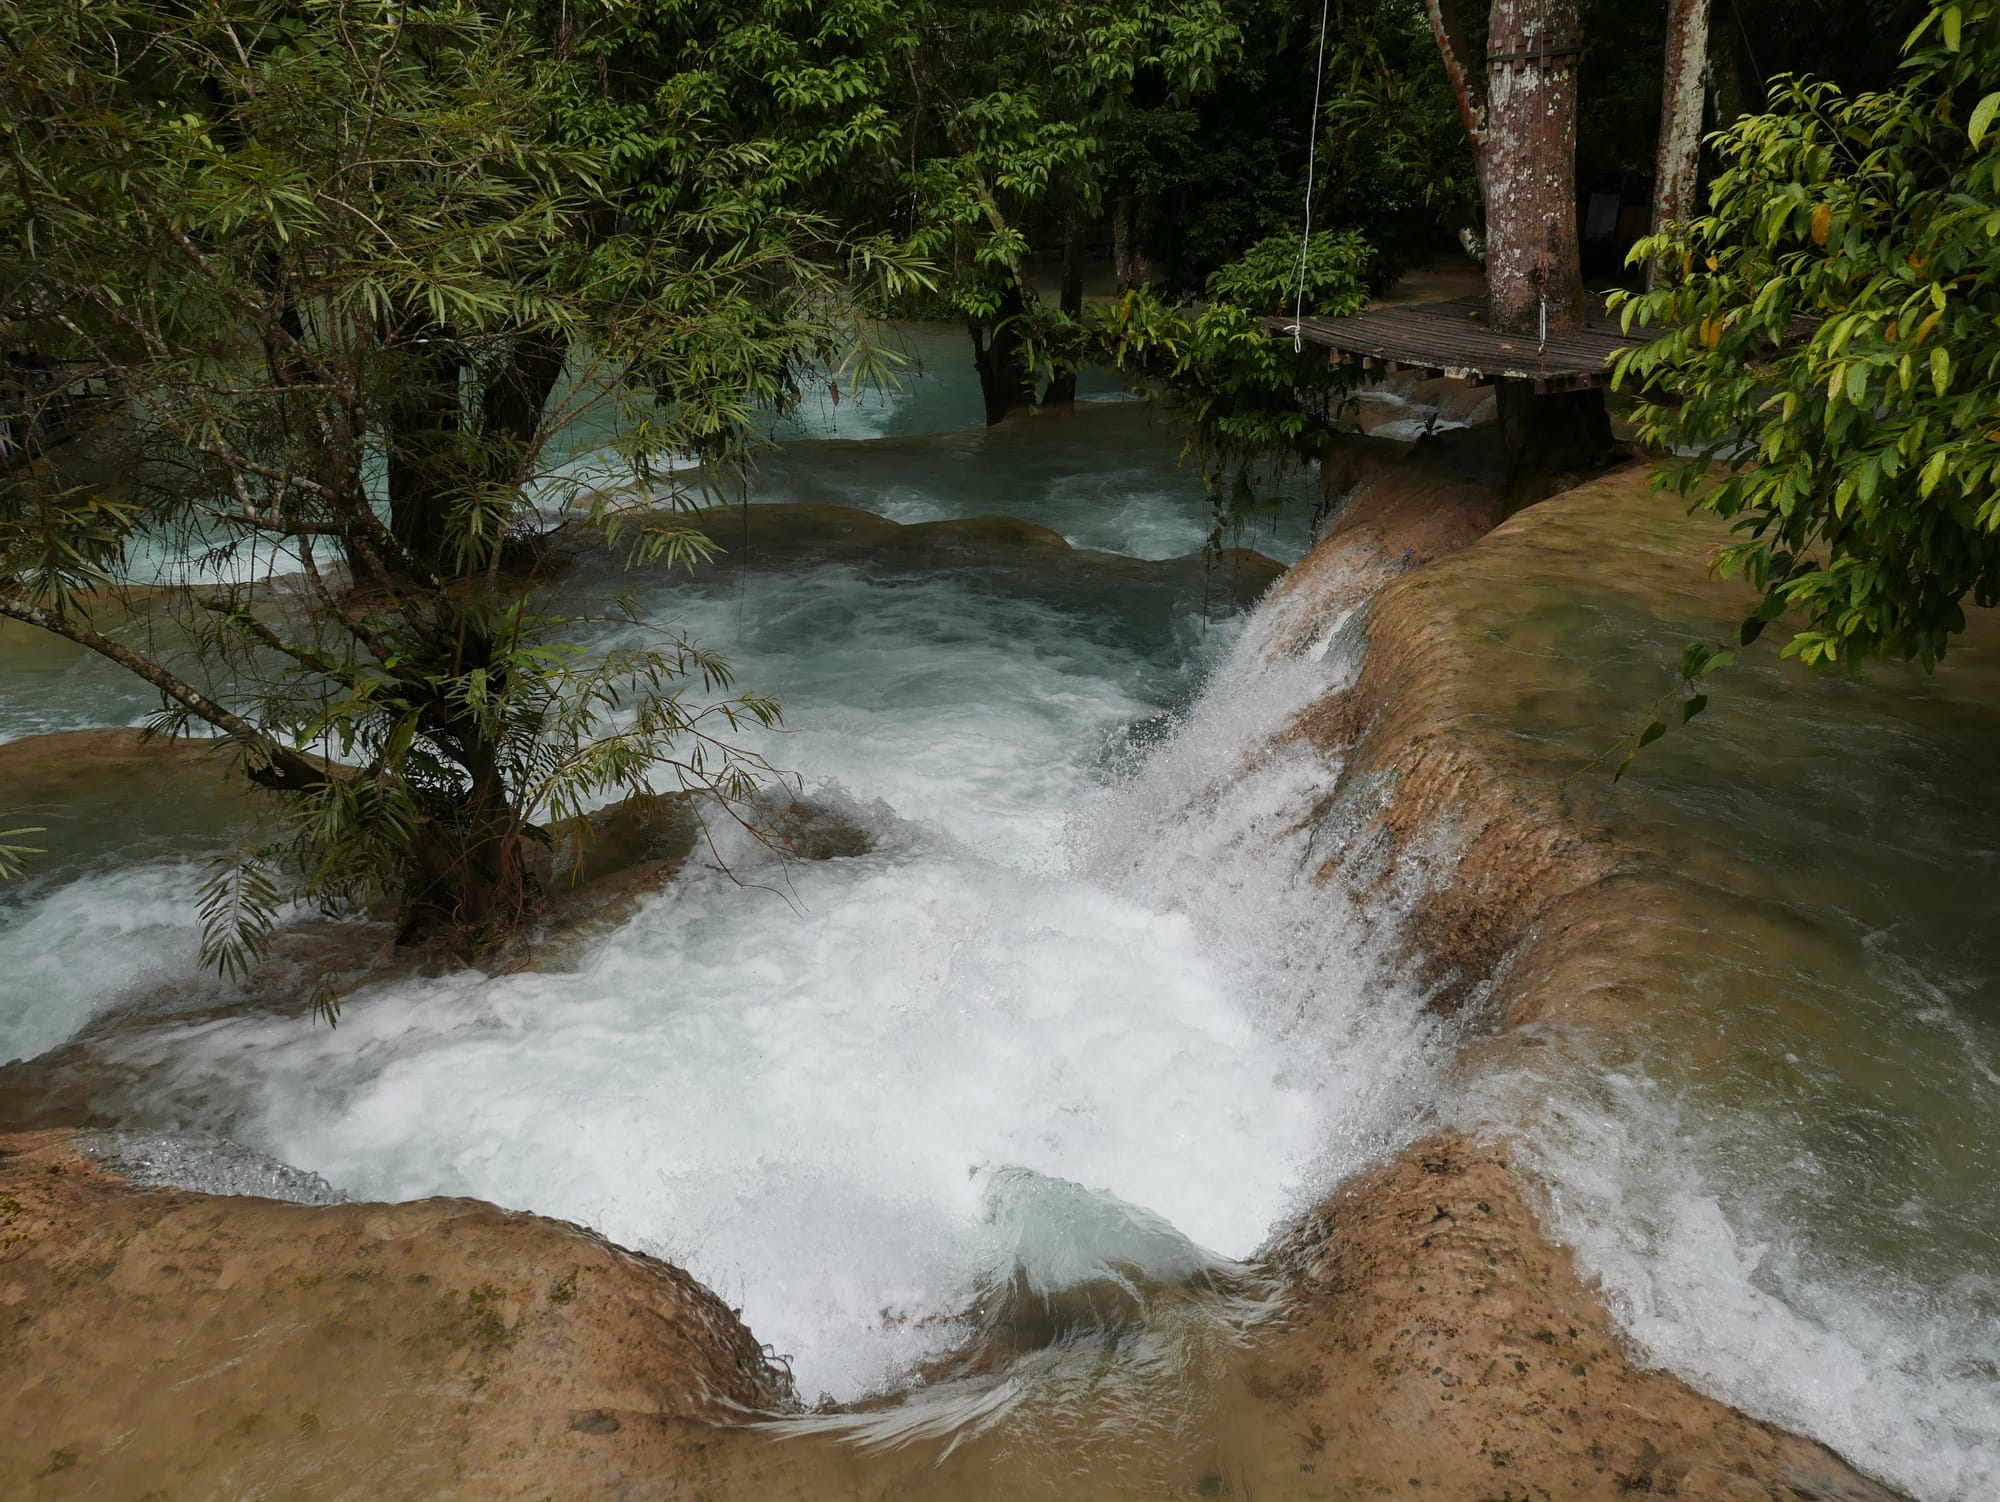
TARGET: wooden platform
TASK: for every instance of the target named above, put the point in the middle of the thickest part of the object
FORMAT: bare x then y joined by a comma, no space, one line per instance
1453,339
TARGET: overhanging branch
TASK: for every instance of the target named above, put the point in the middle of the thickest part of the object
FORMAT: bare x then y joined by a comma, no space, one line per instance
275,765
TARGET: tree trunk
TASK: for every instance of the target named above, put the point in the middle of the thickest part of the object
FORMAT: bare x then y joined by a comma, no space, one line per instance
1551,439
424,420
1062,384
1680,117
1533,258
1731,99
469,889
1133,267
996,351
515,399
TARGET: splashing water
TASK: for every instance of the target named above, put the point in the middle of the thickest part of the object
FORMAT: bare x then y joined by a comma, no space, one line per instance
810,1095
1079,1026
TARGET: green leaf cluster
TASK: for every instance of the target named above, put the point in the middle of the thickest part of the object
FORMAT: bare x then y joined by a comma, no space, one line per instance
1829,355
1253,402
348,281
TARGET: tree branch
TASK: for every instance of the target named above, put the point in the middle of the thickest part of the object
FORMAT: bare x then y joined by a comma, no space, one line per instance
276,765
987,202
1469,91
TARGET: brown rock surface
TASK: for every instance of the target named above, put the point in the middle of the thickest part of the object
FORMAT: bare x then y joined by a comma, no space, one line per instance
1403,518
173,1345
1440,1347
43,774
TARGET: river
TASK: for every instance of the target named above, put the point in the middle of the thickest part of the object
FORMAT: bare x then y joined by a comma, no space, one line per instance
1069,1015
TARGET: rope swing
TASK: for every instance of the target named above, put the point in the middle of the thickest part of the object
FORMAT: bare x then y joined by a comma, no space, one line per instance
1312,164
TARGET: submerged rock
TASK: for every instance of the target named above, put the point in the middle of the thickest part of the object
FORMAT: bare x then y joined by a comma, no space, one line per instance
207,1165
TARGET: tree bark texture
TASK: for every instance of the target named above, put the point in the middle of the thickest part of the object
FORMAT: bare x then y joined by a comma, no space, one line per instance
1522,126
1134,267
1528,167
1680,116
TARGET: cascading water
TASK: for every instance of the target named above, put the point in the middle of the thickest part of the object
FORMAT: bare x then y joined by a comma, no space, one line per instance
829,1088
1070,1028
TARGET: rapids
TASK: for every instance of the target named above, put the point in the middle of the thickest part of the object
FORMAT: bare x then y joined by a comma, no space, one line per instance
1076,1021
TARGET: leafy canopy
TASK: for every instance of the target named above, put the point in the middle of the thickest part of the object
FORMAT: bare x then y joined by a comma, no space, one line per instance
348,282
1831,350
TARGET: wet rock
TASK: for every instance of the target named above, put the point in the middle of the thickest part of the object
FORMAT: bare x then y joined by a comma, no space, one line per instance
1403,517
1442,1347
156,788
172,1344
656,831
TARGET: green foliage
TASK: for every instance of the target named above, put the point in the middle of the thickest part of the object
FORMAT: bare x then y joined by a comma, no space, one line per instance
1394,162
1252,402
13,857
1226,167
1016,109
347,279
1831,351
1326,276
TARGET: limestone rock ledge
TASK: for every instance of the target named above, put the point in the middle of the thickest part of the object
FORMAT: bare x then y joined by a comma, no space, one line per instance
1438,1346
178,1346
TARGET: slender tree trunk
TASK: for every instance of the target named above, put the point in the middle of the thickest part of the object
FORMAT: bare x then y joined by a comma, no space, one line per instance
1133,267
1062,384
423,428
1680,117
1730,75
996,352
1533,257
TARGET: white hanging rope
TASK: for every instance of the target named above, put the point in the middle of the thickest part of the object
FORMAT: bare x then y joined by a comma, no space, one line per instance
1312,163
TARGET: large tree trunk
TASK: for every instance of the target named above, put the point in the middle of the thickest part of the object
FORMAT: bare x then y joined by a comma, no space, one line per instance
1551,439
996,351
1533,258
1680,116
1522,124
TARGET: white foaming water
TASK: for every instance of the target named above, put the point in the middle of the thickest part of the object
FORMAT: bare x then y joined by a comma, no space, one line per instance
851,1106
976,713
1677,1213
65,951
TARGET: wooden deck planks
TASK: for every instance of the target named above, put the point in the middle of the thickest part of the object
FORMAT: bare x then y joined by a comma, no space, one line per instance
1453,339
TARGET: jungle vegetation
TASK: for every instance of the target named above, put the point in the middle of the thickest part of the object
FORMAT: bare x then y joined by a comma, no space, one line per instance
348,281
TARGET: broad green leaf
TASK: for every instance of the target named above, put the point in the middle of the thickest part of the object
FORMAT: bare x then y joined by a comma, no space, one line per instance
1982,117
